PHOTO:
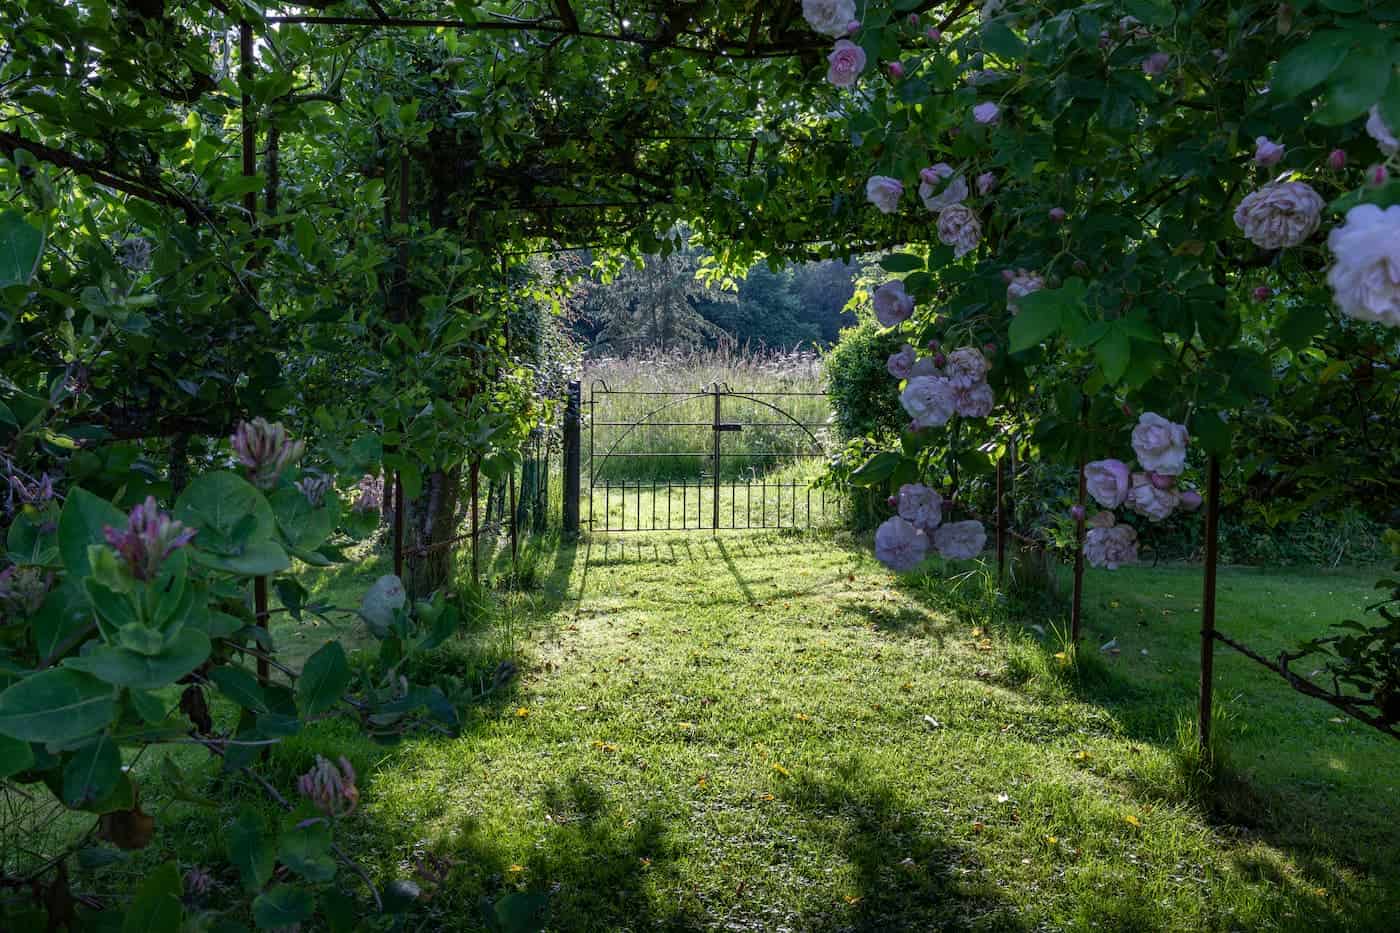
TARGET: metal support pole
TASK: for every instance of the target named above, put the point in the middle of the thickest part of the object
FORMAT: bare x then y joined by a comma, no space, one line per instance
714,523
476,520
398,525
1001,517
572,465
1077,607
261,612
1208,605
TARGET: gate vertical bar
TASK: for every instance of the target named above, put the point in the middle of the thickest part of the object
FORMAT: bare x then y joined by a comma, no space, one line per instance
1001,517
1208,606
715,504
571,460
1077,607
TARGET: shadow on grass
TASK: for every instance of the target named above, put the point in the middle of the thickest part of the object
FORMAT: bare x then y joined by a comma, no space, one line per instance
906,875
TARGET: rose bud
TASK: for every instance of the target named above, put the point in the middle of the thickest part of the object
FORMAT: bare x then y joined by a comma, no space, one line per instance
939,360
892,502
1377,175
934,34
853,27
1161,480
1007,275
989,347
1081,266
933,346
1263,293
1057,214
896,70
1191,500
1337,159
914,20
1077,513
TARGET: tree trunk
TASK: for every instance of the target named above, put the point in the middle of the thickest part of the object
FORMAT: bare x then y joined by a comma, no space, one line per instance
430,527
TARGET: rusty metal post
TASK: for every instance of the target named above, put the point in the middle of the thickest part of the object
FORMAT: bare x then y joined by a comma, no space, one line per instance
572,460
1208,606
514,530
1001,517
1076,614
261,613
476,520
398,525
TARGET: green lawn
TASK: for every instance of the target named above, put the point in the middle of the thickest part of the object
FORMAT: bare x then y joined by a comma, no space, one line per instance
771,732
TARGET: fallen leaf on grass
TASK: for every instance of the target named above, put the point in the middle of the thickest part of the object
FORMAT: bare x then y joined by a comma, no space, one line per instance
781,770
1133,821
522,711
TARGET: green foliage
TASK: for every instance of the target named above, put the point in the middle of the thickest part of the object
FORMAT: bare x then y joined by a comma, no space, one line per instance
864,397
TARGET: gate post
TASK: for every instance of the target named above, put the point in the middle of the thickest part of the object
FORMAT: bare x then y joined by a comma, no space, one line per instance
1203,721
572,462
714,524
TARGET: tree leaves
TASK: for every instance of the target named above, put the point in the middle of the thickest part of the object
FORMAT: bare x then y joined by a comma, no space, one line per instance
284,906
249,849
79,525
323,679
157,907
56,705
235,523
125,668
21,246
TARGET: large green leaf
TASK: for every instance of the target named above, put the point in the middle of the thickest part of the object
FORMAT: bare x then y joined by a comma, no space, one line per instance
228,511
249,849
240,687
57,705
15,756
284,906
305,848
255,559
1041,316
1309,64
92,773
80,525
323,679
157,907
65,613
126,668
21,245
877,469
303,526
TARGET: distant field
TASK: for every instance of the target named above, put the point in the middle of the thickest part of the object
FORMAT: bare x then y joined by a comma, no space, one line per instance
642,432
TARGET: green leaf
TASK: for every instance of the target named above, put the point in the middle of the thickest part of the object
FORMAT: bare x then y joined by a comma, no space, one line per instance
901,262
323,679
92,773
283,906
1213,434
249,849
1114,352
1359,81
257,559
228,511
65,612
1302,324
1308,65
1041,316
80,525
156,908
21,246
15,756
234,187
56,705
306,849
240,687
998,39
305,527
877,469
126,668
519,912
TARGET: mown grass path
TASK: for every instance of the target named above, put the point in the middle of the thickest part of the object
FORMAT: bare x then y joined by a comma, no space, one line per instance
768,733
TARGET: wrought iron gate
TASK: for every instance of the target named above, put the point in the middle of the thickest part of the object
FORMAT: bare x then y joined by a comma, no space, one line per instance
713,459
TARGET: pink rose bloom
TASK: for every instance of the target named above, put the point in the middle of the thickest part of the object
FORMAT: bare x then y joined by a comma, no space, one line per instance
901,364
829,17
986,183
967,367
959,228
1150,501
1365,273
1280,216
1111,547
1156,63
1267,152
1108,481
1160,445
931,180
1191,500
921,506
1022,283
926,366
845,63
987,113
929,400
892,303
974,402
1382,134
960,540
899,545
884,192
